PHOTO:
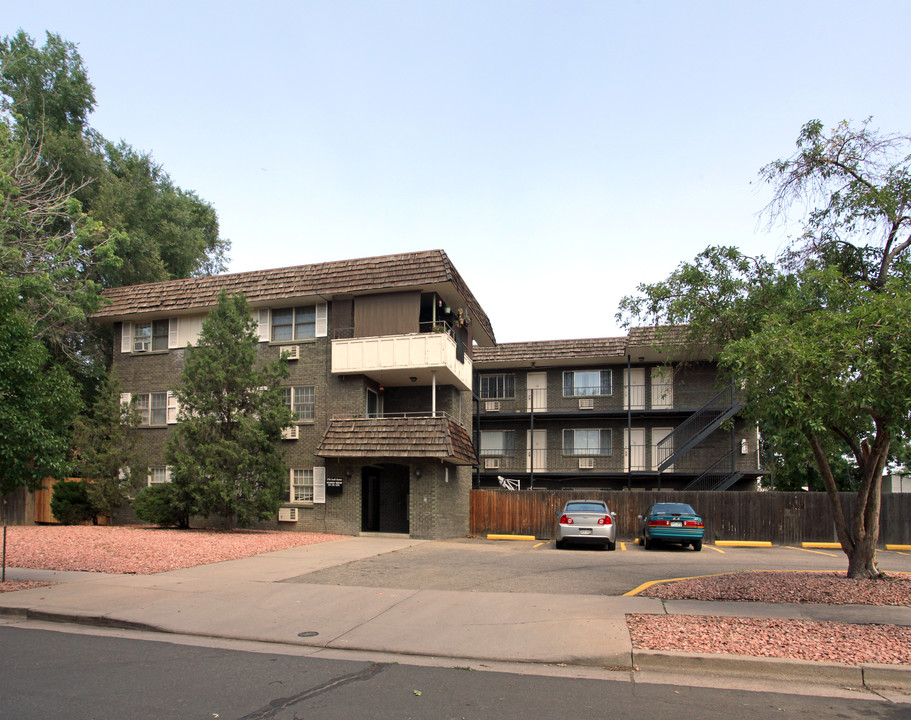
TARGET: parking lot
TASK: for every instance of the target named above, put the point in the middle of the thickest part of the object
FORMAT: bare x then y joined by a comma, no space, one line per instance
523,566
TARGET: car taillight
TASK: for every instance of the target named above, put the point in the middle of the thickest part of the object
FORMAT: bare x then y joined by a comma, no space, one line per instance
604,520
658,523
694,523
564,520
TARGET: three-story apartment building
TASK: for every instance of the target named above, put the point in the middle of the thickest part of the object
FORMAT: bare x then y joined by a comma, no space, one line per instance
380,383
403,399
608,413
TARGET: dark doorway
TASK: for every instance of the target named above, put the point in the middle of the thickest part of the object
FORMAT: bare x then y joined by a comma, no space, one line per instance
384,499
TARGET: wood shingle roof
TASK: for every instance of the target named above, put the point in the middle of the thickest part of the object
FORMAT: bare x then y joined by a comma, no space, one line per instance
398,437
262,287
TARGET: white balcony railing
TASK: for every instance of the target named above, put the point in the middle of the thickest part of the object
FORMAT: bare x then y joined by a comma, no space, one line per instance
403,360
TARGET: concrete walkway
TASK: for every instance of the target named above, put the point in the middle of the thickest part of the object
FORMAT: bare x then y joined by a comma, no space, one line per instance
248,600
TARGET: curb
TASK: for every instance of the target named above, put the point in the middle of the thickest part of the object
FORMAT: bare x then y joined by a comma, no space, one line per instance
743,543
869,675
511,537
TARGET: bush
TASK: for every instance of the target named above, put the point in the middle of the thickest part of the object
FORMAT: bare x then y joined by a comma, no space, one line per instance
70,503
158,505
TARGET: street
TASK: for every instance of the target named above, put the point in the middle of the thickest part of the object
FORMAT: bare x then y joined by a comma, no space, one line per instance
49,674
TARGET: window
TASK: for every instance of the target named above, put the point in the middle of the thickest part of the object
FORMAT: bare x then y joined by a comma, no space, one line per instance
587,442
153,408
586,383
301,401
498,387
150,336
294,323
159,475
498,442
301,486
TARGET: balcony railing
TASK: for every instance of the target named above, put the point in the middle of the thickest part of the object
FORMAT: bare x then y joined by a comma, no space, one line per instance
657,396
405,360
550,460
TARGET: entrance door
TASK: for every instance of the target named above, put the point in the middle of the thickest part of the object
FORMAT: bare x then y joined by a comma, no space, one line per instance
634,452
634,389
537,392
384,499
662,388
536,455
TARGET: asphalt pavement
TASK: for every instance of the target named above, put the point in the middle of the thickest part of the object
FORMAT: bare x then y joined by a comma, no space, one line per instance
267,598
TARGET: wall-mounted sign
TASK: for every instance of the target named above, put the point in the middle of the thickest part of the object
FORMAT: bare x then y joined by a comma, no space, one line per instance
334,486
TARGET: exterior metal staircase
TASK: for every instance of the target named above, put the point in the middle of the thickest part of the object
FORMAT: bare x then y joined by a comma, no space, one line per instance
693,431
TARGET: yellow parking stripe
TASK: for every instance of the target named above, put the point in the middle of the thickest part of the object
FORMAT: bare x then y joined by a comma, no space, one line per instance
815,552
623,546
712,547
542,543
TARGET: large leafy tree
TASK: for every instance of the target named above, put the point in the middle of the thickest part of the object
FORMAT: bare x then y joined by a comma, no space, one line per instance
224,453
818,338
38,402
164,232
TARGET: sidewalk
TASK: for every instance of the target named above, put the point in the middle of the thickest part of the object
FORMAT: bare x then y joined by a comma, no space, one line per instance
248,600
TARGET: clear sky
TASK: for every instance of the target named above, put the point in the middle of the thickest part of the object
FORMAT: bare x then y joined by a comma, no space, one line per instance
560,152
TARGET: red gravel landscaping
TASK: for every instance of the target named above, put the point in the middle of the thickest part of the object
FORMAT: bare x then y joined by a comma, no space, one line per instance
140,550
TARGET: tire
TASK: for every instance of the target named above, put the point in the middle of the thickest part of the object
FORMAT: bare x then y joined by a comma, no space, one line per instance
611,546
647,543
697,545
560,544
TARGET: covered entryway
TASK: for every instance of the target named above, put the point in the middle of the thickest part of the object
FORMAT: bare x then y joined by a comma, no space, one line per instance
384,498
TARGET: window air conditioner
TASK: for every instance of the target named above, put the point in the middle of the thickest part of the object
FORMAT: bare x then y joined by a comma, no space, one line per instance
586,463
492,406
287,514
293,352
491,463
291,433
586,403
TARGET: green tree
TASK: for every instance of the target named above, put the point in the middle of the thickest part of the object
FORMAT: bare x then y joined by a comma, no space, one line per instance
818,338
107,453
224,453
38,402
163,232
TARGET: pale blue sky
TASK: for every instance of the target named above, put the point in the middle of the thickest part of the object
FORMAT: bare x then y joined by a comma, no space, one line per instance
560,152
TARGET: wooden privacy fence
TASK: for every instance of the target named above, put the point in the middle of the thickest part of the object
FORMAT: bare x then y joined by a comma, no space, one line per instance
783,518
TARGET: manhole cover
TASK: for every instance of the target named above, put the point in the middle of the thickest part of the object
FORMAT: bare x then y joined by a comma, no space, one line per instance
308,633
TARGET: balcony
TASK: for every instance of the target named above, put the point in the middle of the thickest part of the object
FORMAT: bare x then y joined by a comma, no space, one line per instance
405,360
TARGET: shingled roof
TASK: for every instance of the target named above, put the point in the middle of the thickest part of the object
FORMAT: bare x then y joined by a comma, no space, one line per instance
388,272
393,438
550,350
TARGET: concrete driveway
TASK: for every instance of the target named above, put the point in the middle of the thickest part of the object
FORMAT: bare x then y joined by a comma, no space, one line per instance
515,566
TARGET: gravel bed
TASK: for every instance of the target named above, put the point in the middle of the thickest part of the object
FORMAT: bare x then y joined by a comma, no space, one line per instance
140,550
13,585
792,639
764,637
788,587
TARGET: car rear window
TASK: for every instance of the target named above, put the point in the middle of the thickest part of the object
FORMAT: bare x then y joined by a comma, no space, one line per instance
672,509
585,507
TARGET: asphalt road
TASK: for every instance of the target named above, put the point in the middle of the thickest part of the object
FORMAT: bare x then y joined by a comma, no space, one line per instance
525,566
46,675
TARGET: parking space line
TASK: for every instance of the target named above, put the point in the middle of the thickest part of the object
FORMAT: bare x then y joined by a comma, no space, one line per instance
712,547
817,552
623,546
540,544
647,585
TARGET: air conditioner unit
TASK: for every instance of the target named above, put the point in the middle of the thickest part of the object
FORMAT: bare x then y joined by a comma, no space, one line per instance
492,406
291,433
491,463
292,353
287,514
586,403
586,463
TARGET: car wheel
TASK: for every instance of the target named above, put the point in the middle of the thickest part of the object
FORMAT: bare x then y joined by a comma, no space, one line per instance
697,545
611,546
560,544
647,543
